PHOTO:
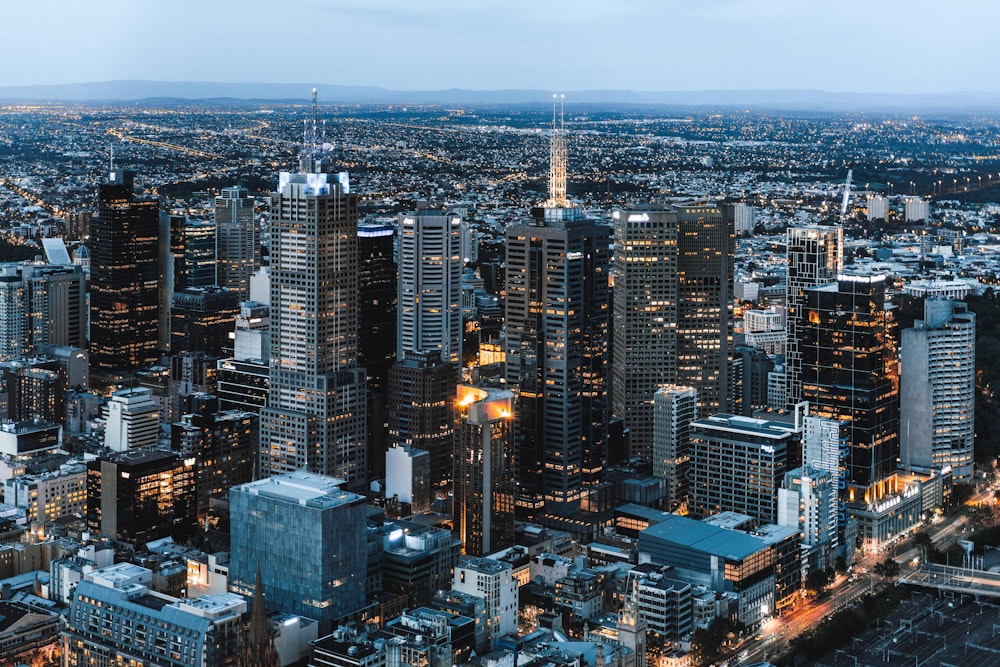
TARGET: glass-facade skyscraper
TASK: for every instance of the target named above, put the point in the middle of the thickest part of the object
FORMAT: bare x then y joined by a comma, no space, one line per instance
125,276
308,538
850,370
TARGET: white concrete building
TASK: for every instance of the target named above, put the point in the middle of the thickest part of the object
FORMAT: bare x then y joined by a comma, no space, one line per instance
494,582
131,420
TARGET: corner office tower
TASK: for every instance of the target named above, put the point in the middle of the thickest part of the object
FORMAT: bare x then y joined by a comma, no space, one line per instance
315,418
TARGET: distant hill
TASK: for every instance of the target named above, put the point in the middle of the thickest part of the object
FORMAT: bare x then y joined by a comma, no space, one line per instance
135,91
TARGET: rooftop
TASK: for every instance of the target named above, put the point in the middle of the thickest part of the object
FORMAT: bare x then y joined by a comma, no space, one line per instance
303,488
700,536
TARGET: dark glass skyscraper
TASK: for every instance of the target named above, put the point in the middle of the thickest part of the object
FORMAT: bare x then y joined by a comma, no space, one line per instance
557,356
124,299
850,371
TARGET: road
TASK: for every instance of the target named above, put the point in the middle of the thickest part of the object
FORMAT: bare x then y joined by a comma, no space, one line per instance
845,592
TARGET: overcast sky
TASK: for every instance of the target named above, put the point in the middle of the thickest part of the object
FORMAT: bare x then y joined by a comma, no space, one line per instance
908,46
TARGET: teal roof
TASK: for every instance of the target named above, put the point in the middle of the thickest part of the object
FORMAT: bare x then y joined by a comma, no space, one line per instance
699,536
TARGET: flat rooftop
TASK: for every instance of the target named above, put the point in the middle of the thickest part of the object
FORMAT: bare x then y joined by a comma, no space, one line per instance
700,536
303,488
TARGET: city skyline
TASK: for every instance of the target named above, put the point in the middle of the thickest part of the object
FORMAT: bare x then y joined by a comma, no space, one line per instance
636,45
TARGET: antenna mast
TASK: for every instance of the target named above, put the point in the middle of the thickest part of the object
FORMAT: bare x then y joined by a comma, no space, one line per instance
557,157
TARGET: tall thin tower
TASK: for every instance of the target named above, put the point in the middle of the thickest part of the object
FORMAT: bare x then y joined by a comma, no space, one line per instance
557,157
315,418
557,316
237,240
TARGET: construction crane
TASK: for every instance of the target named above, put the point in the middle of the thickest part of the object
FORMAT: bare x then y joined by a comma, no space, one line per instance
847,196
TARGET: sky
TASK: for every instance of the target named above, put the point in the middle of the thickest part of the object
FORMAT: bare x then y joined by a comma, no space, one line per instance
895,46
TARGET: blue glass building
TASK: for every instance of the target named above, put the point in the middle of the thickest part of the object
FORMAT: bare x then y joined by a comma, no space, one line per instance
308,538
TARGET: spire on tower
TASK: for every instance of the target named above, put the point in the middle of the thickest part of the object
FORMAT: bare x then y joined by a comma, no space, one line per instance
557,157
310,159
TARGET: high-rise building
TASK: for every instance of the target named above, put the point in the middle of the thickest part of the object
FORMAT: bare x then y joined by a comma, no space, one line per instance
815,257
916,209
743,218
377,294
237,240
847,339
317,567
673,320
224,446
492,580
484,470
674,409
41,305
421,410
202,319
243,380
737,465
316,415
938,390
124,278
430,284
557,356
132,420
141,495
807,501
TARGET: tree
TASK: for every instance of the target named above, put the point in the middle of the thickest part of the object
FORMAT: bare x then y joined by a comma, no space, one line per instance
887,569
923,540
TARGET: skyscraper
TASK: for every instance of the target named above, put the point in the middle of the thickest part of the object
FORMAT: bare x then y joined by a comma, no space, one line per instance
317,567
484,470
673,320
847,339
557,359
421,413
315,417
937,390
815,257
430,284
674,409
124,275
237,240
377,294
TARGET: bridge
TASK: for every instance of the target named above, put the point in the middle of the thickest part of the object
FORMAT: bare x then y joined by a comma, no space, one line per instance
960,580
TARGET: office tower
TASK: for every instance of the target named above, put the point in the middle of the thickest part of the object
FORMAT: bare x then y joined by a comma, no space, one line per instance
673,320
141,495
41,394
557,359
237,240
847,340
115,620
224,446
317,567
41,305
815,257
199,254
417,560
421,414
316,415
807,501
752,369
484,470
492,580
124,277
202,319
737,465
58,306
430,284
191,374
243,380
132,420
705,247
15,325
937,390
377,293
674,409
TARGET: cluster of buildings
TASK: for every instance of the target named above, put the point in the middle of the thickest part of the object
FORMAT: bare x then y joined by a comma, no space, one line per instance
388,450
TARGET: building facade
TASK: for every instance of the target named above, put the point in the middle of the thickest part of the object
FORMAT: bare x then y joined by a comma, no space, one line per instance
674,409
237,240
937,390
124,278
430,284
